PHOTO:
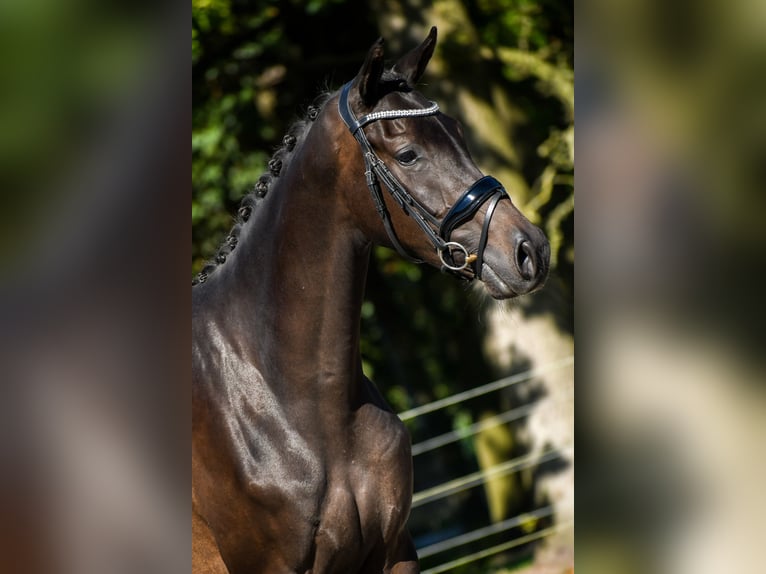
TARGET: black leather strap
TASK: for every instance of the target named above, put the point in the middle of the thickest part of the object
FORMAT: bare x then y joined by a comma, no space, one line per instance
464,209
469,203
376,170
485,229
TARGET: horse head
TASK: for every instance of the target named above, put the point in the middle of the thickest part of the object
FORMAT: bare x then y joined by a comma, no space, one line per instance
434,203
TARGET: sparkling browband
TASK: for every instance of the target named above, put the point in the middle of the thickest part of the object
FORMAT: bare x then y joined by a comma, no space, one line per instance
394,114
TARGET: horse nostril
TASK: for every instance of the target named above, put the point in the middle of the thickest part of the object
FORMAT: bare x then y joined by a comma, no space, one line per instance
525,260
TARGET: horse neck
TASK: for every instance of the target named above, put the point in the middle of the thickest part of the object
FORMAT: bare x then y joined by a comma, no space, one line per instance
299,276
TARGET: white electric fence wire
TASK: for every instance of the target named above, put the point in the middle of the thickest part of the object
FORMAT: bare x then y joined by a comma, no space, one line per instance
457,434
484,389
498,548
476,428
474,479
480,533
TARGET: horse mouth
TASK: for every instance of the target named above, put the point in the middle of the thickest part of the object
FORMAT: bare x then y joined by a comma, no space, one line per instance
495,286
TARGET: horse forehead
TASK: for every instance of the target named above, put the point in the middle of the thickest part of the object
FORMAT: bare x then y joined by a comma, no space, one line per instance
429,126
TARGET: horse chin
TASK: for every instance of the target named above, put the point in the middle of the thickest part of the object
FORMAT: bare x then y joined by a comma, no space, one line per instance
495,285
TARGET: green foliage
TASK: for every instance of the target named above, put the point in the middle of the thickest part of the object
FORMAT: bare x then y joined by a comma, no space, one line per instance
255,65
223,170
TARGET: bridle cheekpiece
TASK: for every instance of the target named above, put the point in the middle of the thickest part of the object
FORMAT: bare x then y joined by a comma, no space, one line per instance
438,232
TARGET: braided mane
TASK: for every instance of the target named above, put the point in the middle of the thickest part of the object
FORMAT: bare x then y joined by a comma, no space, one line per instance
390,81
277,163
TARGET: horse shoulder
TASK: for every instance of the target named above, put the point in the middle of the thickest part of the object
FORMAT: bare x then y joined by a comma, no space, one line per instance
382,468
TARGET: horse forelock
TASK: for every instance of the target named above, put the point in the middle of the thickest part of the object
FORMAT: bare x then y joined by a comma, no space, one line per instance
393,81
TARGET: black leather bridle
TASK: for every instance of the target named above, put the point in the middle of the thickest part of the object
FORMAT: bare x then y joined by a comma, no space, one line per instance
438,232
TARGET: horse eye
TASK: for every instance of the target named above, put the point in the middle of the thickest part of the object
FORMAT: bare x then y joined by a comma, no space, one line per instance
407,157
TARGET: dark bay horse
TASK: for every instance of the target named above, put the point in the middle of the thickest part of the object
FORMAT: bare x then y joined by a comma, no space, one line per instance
298,464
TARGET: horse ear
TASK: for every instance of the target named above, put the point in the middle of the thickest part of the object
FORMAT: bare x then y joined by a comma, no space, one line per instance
413,64
369,76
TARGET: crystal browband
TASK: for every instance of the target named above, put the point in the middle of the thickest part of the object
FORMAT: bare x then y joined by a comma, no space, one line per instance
394,114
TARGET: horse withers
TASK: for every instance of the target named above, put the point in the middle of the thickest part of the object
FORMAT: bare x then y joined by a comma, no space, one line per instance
298,464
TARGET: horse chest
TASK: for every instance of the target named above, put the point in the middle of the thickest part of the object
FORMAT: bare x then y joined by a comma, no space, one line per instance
361,493
325,491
